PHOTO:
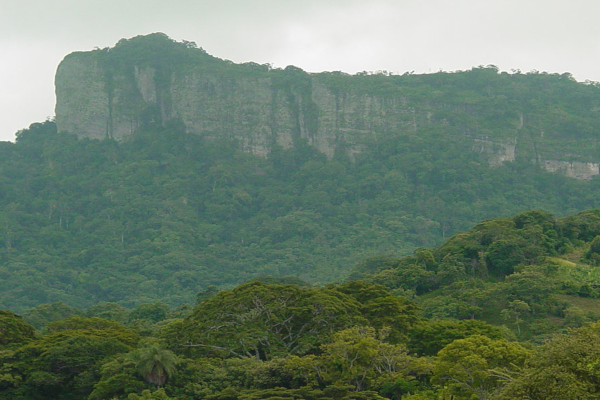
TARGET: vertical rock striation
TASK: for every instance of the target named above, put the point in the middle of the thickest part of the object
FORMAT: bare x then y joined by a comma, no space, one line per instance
152,79
259,111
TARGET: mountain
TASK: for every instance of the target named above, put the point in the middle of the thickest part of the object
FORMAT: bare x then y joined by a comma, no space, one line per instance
546,119
177,235
90,212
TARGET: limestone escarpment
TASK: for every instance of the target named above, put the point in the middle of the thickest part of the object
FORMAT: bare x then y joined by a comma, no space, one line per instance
149,80
573,169
257,111
82,104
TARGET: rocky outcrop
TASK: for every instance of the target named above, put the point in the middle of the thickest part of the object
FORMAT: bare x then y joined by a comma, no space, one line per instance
111,93
573,169
257,111
82,103
498,152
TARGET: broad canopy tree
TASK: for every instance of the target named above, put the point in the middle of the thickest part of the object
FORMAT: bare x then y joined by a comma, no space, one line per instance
265,320
258,320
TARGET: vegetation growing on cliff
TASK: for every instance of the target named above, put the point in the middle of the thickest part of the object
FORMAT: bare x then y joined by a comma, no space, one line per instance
542,117
165,214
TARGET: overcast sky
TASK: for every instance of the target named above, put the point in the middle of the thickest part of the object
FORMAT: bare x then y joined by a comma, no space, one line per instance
315,35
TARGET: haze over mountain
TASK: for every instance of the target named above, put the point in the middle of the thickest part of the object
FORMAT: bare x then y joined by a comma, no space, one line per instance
344,35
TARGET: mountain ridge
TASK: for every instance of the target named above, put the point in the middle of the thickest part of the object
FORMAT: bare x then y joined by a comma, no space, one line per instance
152,79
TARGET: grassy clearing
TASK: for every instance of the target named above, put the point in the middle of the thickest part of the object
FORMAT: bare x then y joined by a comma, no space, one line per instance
588,305
561,262
574,255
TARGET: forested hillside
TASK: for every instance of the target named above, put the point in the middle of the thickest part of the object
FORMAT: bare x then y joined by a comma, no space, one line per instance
259,233
515,271
507,310
165,214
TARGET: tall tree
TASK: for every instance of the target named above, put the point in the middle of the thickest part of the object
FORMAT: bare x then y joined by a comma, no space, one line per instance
155,363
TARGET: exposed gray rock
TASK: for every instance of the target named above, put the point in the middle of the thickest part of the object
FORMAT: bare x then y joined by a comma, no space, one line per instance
82,104
498,152
574,169
253,110
259,110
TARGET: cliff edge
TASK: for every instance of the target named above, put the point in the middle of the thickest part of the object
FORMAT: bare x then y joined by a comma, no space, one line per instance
149,80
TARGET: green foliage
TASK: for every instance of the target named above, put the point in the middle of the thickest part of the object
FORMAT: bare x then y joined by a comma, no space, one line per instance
516,309
110,311
363,292
164,218
579,279
358,360
477,366
302,342
460,300
566,367
263,320
503,271
356,357
531,287
164,215
583,226
284,280
153,313
497,247
429,337
118,377
371,265
44,313
148,395
65,365
503,255
13,330
593,254
82,323
154,363
392,314
206,294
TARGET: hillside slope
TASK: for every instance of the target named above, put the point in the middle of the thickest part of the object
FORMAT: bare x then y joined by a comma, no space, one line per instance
534,277
532,272
165,214
169,170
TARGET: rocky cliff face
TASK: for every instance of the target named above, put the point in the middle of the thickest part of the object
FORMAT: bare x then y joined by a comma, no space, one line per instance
82,104
573,169
257,111
112,92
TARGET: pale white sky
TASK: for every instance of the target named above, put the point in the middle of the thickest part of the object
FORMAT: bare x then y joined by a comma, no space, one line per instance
315,35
